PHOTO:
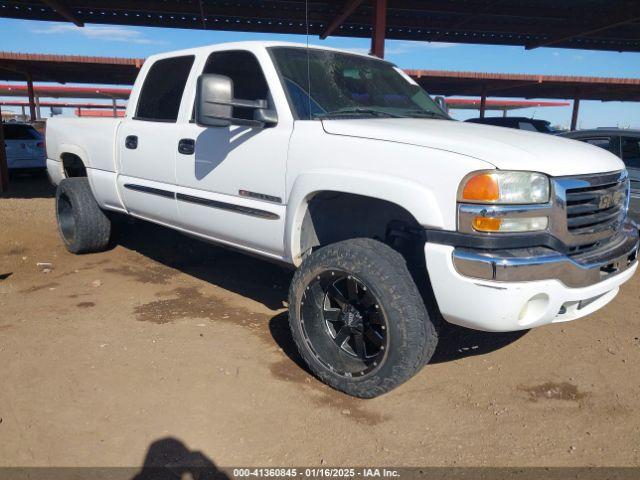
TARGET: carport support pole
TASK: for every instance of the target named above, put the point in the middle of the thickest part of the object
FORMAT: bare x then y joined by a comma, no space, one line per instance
32,101
379,25
4,170
483,101
574,114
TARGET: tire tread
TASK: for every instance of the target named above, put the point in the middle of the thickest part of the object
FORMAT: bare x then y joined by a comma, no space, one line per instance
93,227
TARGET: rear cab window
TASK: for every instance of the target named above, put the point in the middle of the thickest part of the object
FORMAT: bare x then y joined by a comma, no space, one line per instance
162,90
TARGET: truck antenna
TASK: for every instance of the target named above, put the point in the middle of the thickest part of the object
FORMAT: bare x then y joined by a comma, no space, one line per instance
204,20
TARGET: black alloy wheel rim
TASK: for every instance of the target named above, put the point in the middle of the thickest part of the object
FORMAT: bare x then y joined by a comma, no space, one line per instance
344,324
66,219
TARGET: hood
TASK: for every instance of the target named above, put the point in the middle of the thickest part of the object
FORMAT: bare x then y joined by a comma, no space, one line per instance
505,148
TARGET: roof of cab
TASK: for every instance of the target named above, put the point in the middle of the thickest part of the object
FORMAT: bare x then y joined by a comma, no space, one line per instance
248,45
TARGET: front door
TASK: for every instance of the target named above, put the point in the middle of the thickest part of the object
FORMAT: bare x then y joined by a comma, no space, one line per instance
147,142
231,182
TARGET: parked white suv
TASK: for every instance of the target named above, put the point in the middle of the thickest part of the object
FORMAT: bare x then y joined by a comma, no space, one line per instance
338,164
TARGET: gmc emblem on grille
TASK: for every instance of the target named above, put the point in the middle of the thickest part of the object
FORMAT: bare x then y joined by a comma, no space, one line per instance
611,200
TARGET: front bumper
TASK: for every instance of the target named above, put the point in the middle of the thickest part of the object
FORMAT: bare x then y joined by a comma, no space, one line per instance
541,263
524,288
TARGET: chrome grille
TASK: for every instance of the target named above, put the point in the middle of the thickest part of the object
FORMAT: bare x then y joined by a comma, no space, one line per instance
590,208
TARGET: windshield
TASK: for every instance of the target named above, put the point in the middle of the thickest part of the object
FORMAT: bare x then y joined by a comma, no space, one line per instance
348,86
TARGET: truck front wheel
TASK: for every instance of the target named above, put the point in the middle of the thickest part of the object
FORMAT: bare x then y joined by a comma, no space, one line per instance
83,226
358,319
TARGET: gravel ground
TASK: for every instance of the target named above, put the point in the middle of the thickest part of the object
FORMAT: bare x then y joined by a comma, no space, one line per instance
164,343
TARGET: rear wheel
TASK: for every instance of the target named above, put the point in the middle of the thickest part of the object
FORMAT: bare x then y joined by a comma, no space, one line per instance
358,319
83,226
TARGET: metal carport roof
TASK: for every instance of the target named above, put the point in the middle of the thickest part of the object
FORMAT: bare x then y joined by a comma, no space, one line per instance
69,68
586,24
439,82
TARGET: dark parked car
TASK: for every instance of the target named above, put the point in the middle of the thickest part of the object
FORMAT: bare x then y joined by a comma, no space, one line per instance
519,123
625,143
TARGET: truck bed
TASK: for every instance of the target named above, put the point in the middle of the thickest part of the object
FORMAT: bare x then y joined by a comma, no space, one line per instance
93,139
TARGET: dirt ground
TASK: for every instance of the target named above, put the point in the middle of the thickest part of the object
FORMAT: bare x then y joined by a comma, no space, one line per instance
164,340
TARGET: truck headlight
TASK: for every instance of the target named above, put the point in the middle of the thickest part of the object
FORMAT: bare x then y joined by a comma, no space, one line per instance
504,202
505,187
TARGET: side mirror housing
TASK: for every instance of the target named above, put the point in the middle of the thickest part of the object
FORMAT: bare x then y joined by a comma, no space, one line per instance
215,102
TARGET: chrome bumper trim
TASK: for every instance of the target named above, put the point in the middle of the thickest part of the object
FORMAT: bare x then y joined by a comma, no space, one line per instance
540,263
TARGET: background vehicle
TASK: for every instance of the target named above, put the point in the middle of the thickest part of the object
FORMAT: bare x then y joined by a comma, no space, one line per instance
390,211
624,143
520,123
25,148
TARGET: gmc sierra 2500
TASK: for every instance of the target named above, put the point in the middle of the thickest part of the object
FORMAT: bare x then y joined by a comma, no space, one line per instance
338,164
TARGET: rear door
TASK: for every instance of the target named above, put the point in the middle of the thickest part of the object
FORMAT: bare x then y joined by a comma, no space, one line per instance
630,147
147,142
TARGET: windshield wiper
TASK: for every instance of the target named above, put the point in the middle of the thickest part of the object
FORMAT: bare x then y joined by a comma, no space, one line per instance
424,113
358,111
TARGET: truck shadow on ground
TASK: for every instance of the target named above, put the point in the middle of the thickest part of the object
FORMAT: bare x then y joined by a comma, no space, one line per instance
459,342
268,283
169,458
455,342
29,186
251,277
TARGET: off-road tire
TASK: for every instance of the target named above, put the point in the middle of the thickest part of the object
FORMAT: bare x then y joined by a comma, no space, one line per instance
83,226
412,335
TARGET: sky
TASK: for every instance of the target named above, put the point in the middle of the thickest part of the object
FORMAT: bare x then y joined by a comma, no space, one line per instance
119,41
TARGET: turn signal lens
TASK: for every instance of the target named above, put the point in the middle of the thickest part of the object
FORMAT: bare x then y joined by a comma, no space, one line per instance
481,188
487,224
525,224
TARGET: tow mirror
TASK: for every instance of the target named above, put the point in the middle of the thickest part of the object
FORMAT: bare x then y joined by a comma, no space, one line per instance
215,103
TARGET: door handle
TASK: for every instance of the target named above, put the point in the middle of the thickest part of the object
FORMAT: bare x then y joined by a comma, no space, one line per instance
187,146
131,142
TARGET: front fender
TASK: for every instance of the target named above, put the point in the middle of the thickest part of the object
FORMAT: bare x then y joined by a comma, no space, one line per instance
418,200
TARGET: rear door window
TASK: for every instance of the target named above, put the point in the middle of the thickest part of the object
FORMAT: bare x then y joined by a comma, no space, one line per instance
162,89
20,132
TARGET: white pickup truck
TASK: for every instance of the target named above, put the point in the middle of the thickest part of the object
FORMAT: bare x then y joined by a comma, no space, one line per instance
338,164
